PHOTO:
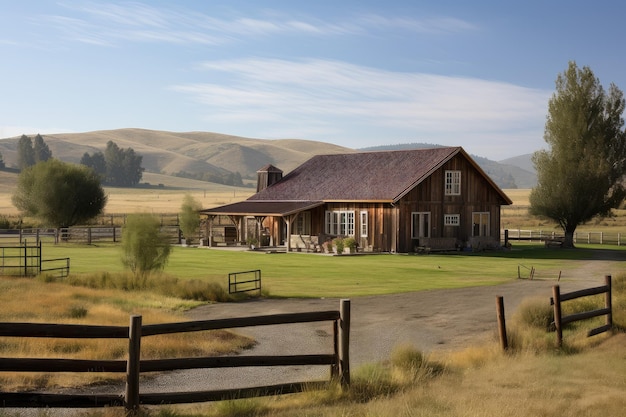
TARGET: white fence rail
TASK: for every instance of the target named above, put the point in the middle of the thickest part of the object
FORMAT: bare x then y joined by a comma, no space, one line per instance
598,238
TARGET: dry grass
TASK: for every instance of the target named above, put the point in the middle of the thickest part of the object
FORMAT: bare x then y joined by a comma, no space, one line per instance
28,300
482,383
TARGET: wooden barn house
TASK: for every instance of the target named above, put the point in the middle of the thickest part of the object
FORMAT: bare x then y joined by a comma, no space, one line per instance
393,201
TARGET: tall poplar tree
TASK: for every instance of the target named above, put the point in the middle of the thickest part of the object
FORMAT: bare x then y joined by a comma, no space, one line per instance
581,175
41,150
25,153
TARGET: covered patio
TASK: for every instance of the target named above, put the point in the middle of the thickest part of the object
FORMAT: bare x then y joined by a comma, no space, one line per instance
267,214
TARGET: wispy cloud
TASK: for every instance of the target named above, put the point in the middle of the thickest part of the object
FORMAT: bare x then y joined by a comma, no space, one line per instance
110,23
344,99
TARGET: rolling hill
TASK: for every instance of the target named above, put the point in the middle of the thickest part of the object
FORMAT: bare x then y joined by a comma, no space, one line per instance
168,153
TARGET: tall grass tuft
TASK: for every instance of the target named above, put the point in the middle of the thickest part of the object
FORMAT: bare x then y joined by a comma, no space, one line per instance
531,325
407,366
241,408
160,284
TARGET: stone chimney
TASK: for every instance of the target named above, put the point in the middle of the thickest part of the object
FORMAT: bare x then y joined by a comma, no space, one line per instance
267,176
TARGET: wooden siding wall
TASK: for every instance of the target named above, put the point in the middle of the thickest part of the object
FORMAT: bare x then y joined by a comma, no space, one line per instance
379,236
477,195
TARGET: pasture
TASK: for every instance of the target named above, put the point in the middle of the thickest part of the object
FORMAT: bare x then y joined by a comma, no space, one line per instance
315,275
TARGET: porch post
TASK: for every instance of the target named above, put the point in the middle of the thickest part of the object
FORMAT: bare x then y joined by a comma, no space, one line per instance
289,220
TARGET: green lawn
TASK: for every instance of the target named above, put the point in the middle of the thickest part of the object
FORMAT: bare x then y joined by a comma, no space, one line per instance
309,275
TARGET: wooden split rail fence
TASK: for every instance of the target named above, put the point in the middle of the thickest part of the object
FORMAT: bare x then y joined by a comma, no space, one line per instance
338,360
560,320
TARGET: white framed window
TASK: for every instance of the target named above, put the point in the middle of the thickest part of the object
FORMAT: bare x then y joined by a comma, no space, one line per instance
302,225
363,225
451,219
480,224
340,223
420,224
453,183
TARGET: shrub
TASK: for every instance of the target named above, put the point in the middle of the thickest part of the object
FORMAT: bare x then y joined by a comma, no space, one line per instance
189,217
144,247
338,242
350,243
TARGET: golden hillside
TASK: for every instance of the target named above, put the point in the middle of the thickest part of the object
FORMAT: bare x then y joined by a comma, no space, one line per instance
171,152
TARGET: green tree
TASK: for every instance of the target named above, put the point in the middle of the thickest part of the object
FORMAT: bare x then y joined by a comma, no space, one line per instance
25,153
40,149
189,217
123,166
580,175
95,162
59,194
144,246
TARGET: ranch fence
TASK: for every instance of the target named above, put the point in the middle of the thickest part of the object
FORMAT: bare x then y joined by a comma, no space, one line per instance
597,238
338,360
560,321
79,234
26,260
251,281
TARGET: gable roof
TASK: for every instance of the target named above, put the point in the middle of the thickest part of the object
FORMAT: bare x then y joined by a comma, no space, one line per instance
358,177
367,176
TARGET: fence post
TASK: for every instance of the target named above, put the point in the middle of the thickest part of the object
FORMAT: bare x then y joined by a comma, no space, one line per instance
556,296
131,398
501,322
608,301
344,342
25,259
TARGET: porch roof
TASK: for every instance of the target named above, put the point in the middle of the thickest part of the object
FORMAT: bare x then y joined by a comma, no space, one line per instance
263,208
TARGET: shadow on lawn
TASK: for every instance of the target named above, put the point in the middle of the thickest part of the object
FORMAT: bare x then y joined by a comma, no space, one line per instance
541,252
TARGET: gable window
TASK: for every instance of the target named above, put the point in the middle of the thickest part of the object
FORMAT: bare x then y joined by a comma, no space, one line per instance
451,219
420,224
340,223
363,219
453,182
302,225
480,224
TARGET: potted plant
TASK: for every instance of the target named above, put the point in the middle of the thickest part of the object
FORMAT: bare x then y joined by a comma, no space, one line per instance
350,243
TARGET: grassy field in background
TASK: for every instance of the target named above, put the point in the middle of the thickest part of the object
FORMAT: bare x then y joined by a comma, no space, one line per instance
312,275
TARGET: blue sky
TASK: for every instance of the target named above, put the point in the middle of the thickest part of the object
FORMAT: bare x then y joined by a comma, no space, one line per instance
355,73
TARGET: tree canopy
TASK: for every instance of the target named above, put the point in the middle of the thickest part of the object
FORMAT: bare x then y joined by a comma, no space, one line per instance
116,166
29,152
59,194
25,152
580,175
41,150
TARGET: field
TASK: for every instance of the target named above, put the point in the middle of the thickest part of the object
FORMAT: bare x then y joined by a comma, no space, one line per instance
478,380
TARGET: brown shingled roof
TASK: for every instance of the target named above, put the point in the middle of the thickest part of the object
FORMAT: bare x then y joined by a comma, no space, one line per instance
366,176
